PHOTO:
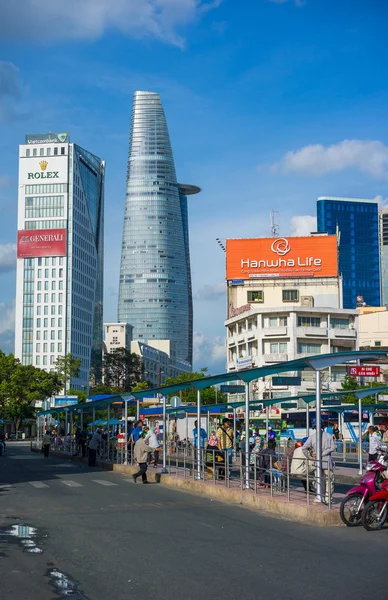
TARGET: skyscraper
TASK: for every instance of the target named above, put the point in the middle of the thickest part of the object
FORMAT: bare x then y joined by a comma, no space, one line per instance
155,280
384,256
359,262
59,277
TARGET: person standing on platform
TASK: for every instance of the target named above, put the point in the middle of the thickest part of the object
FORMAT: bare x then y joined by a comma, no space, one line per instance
46,443
93,446
225,438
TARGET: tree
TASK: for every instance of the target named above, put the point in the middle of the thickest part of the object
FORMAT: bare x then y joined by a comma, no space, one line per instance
350,383
140,387
122,369
208,395
27,385
67,366
81,395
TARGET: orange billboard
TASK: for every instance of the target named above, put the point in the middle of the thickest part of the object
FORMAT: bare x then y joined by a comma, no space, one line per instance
255,258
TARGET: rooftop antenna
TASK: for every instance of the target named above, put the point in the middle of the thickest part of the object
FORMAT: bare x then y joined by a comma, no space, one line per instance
221,243
274,226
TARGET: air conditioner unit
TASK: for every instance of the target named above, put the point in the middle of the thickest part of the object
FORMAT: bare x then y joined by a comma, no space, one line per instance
307,301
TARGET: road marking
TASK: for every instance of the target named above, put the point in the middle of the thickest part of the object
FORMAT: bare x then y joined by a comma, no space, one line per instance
70,483
38,484
103,482
5,486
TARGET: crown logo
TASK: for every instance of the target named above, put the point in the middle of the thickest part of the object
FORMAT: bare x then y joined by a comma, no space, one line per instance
43,165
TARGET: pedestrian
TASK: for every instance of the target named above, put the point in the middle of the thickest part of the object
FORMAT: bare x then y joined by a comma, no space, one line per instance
225,438
203,436
141,452
327,449
271,434
267,460
385,437
152,441
300,465
46,443
336,432
136,431
93,446
374,443
252,440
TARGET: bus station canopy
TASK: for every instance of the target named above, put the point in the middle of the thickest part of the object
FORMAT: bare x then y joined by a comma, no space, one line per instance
319,361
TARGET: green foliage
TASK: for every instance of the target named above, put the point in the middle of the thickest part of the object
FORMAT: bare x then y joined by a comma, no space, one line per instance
122,369
23,385
208,395
81,395
350,383
67,366
140,387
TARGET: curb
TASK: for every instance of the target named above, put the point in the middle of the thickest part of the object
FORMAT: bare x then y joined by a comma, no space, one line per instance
303,513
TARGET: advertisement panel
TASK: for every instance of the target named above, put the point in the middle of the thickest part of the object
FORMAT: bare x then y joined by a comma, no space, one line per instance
43,170
310,256
363,371
41,242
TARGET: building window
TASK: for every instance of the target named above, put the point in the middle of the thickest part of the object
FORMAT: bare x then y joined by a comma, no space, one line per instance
28,152
38,335
309,321
59,335
38,309
45,334
34,152
37,348
45,310
256,296
62,150
38,322
44,347
37,360
52,347
377,343
290,295
45,360
278,348
59,347
339,323
306,348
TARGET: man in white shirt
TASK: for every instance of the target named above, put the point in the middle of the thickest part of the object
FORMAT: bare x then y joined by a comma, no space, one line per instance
327,446
93,445
374,443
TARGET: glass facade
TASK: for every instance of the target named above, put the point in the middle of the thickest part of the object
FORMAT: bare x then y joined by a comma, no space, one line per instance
155,281
359,262
384,256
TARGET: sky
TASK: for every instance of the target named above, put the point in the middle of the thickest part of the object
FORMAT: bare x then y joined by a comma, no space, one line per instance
269,103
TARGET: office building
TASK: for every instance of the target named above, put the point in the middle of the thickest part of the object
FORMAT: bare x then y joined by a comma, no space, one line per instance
155,280
284,303
59,277
117,335
159,361
357,222
384,255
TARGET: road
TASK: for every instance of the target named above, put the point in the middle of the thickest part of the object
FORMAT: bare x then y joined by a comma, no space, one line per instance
105,537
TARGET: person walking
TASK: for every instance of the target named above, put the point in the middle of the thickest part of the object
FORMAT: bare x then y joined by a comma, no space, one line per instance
225,438
327,449
46,443
141,452
152,441
93,446
202,434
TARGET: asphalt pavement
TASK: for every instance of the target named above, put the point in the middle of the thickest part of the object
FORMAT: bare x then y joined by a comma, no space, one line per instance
65,527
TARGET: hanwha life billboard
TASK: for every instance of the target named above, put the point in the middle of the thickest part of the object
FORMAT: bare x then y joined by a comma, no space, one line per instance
41,242
255,258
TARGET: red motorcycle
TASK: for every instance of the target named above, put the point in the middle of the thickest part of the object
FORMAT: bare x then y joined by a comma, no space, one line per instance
376,510
353,504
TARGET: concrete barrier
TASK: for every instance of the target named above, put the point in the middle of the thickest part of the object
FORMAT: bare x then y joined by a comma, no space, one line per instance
279,507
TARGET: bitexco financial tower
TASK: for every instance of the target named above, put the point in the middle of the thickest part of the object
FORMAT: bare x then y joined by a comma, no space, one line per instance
155,294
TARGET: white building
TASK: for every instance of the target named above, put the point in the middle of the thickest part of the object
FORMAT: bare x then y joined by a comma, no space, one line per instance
117,335
275,316
159,361
59,278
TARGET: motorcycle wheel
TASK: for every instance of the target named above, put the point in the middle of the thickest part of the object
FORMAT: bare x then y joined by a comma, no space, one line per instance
370,517
350,513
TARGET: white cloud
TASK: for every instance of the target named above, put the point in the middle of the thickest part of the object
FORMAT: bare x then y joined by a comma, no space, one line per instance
209,352
90,19
211,292
11,92
383,202
303,225
7,257
369,157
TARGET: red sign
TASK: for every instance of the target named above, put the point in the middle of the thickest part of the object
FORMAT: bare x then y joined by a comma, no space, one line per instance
121,438
363,371
41,242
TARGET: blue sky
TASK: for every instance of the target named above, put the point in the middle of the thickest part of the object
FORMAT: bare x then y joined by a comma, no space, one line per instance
269,105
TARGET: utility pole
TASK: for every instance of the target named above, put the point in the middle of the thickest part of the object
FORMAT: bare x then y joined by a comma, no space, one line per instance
274,226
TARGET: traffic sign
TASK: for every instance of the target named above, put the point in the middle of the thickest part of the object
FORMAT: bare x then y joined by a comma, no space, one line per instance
363,371
175,401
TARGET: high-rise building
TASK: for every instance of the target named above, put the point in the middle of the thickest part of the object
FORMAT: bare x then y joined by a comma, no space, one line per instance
357,222
59,277
384,255
155,280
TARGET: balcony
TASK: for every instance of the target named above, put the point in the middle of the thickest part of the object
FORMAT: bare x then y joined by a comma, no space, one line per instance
344,333
274,331
275,358
311,331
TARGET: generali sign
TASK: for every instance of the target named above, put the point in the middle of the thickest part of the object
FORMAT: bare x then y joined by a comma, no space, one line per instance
310,256
43,242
